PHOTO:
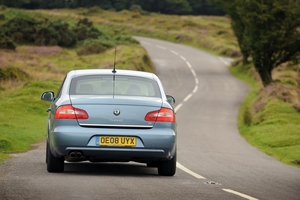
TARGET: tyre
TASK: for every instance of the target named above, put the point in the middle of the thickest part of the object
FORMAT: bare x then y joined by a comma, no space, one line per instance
53,164
167,168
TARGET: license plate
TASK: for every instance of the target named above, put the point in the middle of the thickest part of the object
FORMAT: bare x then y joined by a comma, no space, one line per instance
117,141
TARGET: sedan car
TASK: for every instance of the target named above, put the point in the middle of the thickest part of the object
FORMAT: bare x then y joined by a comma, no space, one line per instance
99,115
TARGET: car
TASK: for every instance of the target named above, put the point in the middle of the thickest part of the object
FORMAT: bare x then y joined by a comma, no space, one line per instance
102,115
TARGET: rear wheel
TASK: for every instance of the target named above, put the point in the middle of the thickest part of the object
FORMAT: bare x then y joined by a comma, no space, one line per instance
53,164
167,168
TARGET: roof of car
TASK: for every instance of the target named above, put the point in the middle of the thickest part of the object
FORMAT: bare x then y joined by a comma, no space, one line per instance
83,72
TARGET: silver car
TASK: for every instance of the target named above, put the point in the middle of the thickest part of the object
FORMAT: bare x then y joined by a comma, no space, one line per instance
102,115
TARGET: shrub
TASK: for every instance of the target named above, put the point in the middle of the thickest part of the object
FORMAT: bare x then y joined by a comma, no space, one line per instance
6,43
55,33
84,29
2,17
94,10
91,46
12,73
20,29
137,9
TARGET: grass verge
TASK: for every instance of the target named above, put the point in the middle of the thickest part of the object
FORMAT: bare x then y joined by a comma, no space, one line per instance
268,121
23,115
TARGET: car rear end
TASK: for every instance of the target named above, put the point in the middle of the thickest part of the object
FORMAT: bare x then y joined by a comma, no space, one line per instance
113,117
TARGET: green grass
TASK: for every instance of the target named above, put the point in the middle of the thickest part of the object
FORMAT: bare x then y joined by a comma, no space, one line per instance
266,119
23,117
274,128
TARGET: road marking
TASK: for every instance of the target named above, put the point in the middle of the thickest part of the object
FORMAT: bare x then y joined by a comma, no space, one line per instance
194,73
188,64
240,194
196,88
197,82
187,97
161,47
178,107
174,52
183,58
227,63
189,171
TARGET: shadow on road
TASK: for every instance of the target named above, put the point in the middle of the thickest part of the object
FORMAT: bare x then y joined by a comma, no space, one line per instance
110,169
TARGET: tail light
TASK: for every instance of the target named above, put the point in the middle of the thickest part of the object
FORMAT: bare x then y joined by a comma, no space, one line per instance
69,112
162,115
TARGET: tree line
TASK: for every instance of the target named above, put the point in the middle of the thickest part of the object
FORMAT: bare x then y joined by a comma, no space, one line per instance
178,7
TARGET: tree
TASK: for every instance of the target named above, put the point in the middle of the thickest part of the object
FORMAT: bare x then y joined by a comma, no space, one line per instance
268,30
237,25
271,32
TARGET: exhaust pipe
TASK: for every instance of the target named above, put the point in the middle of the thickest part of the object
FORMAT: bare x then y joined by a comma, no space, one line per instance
78,154
72,154
75,156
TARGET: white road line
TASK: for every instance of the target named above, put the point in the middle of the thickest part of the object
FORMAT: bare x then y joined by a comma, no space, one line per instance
161,47
196,88
188,64
189,171
174,52
194,73
187,97
223,61
178,107
181,104
240,194
197,81
183,58
227,63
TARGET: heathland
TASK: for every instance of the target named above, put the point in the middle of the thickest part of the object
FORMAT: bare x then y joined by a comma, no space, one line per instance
269,117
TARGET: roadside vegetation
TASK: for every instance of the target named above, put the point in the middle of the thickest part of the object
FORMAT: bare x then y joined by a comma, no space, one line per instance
268,119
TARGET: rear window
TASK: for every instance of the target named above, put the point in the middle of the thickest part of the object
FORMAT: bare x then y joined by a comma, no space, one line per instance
121,85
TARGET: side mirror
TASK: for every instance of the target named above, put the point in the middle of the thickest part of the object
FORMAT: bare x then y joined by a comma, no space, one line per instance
47,96
171,99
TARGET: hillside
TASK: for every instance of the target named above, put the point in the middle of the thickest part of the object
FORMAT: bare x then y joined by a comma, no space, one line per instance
269,117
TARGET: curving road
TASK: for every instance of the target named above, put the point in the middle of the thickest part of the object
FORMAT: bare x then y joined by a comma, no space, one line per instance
214,161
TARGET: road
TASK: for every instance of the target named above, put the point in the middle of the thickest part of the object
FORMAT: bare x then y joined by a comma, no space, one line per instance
214,161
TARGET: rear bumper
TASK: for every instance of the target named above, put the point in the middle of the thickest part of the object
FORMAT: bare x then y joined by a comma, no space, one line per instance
124,154
152,145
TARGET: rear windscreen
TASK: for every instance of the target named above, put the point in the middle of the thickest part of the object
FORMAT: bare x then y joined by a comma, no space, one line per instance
120,85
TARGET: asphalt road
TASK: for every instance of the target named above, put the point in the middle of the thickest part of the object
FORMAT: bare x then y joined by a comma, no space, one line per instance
214,161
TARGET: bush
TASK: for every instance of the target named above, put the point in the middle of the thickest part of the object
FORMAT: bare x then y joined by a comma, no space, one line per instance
94,10
138,9
85,29
55,33
6,43
2,17
48,33
21,29
12,73
91,46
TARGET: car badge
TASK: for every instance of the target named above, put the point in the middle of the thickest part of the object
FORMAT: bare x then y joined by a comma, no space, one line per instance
117,112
